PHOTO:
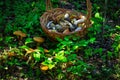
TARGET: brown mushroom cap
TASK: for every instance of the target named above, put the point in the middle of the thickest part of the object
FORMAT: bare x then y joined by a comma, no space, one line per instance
23,35
39,39
19,33
44,67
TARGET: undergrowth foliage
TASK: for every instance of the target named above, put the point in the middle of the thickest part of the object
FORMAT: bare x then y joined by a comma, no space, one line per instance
94,57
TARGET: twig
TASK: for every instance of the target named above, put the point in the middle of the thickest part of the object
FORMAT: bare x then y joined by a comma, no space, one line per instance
104,21
48,5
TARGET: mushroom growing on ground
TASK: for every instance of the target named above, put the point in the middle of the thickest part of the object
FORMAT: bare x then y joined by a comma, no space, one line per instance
44,67
19,34
39,40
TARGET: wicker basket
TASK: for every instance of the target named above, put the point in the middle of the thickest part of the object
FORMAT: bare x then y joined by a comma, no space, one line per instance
51,14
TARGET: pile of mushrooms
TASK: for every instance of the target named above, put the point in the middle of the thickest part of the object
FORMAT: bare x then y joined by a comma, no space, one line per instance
66,23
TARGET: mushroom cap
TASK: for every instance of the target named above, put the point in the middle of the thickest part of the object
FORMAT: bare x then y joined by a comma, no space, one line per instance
39,39
44,67
19,33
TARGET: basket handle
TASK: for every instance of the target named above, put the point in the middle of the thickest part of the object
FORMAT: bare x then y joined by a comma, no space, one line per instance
48,5
89,11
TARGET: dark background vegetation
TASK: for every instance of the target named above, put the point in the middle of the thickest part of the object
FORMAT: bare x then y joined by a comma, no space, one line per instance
94,57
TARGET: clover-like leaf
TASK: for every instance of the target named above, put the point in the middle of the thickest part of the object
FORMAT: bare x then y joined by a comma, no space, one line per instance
60,56
36,56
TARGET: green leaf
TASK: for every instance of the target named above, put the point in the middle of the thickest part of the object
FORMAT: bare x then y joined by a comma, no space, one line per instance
83,43
8,39
109,54
97,15
118,27
88,52
72,57
36,56
67,52
49,63
28,40
60,57
75,47
92,40
33,3
118,47
51,66
58,39
24,47
40,49
1,39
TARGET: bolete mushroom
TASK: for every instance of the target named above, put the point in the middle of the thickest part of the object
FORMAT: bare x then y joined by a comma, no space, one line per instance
39,40
19,34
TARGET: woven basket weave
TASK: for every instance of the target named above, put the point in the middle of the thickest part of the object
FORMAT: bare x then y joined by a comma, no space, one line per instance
51,14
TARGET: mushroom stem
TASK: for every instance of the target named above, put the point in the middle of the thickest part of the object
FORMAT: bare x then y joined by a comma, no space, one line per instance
38,44
29,59
19,35
21,38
